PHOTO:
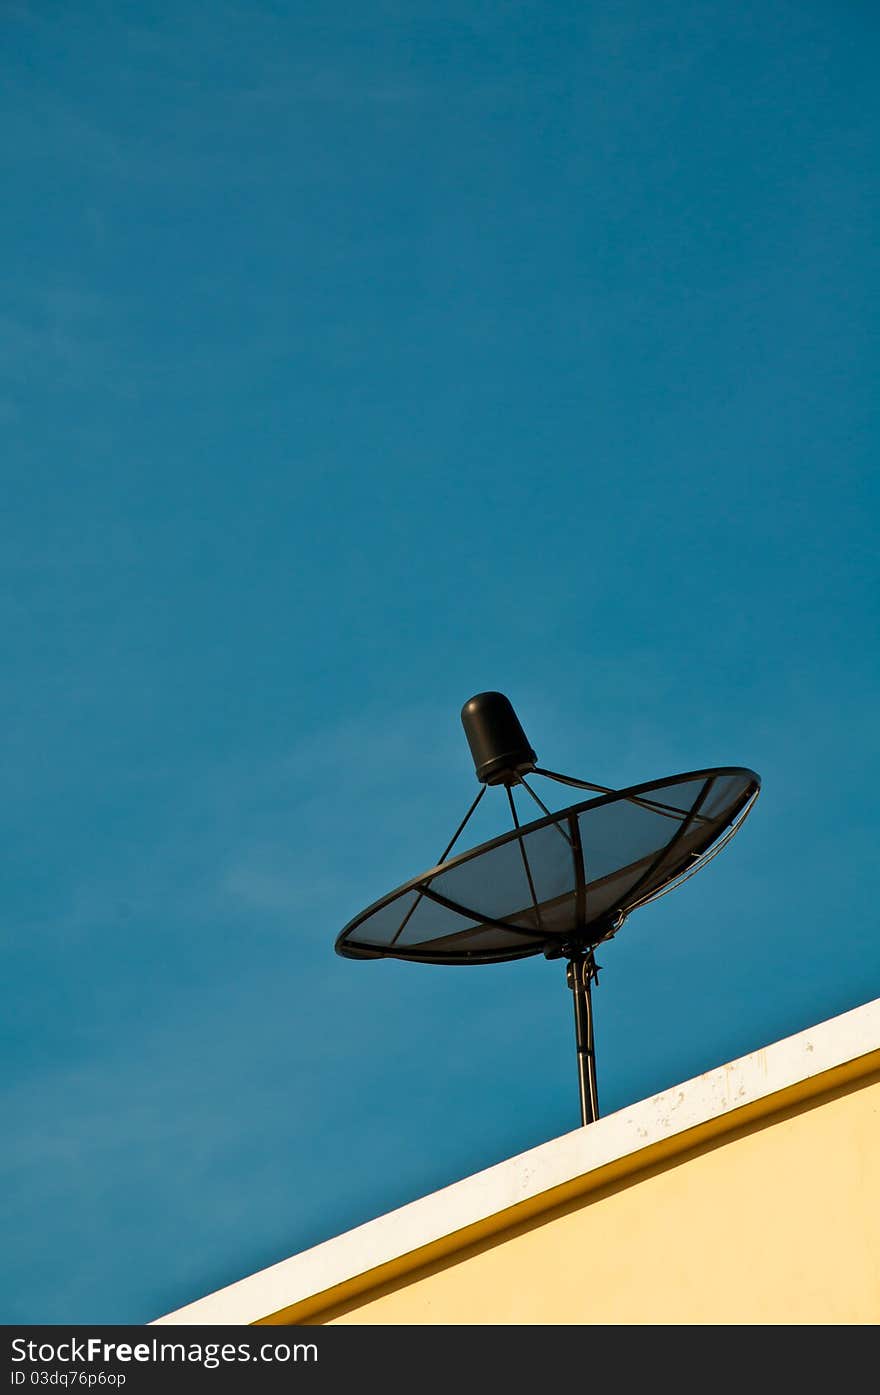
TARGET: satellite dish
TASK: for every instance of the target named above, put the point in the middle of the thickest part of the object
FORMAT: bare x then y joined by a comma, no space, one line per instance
558,886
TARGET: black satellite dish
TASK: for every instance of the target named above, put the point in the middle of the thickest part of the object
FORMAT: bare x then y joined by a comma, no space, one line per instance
561,885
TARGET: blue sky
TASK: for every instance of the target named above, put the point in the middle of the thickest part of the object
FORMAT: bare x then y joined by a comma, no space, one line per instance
357,358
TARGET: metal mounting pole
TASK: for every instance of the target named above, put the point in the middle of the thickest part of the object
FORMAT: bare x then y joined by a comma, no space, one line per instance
579,973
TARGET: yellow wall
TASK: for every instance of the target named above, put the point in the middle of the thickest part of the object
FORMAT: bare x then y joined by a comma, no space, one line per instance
778,1222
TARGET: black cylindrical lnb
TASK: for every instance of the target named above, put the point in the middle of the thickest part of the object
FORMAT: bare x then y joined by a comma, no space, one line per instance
499,745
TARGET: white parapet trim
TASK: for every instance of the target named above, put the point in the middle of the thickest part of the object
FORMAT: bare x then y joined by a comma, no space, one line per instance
721,1092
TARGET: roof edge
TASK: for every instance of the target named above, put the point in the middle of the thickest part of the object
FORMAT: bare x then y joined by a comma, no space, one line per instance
796,1068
